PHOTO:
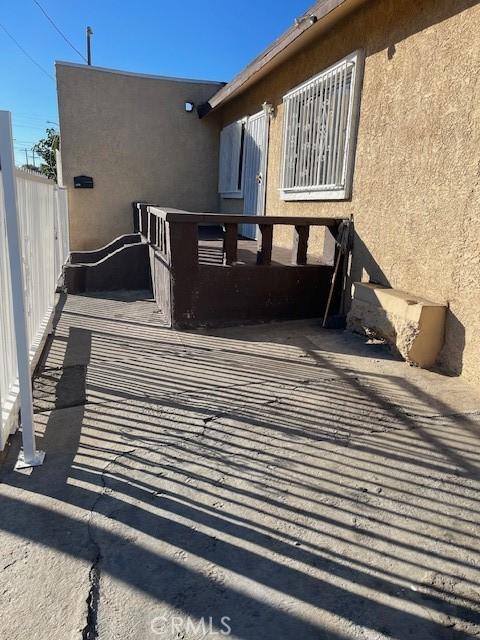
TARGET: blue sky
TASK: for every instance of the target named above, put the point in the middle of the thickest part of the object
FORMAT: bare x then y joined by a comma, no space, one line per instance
209,40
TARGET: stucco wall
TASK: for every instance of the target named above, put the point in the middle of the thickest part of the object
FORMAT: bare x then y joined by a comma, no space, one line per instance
416,189
133,136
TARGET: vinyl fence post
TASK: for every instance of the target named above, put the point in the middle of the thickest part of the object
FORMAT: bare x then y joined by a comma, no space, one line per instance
29,456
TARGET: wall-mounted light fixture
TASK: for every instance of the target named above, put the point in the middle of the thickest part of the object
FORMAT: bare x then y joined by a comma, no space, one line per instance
189,107
309,18
268,108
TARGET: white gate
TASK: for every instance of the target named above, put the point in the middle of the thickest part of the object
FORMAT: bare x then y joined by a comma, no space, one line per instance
43,247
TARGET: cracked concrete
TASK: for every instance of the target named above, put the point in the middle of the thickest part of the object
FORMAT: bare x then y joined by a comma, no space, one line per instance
295,482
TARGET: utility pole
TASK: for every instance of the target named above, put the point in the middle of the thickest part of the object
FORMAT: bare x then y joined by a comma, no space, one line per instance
89,46
33,156
26,157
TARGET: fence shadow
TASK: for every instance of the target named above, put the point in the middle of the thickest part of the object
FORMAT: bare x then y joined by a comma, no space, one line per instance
263,481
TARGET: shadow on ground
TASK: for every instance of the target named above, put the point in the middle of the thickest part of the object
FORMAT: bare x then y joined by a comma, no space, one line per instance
277,481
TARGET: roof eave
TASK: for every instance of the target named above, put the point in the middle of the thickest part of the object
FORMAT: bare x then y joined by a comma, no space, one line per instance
319,18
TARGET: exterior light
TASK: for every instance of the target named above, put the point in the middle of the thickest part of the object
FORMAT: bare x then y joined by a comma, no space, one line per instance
310,19
268,108
189,106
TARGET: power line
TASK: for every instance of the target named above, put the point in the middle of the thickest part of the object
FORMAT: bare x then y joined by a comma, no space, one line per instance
29,126
26,52
23,143
31,115
30,120
59,30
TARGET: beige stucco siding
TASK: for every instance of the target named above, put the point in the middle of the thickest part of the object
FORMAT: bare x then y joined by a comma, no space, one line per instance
416,189
133,136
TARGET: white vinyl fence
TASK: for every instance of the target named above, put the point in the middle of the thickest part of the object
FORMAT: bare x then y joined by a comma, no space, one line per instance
43,225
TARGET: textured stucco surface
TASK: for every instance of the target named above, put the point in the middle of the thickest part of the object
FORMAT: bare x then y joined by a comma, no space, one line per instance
417,171
133,136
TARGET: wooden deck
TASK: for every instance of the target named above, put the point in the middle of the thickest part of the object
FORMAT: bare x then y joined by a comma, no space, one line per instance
210,249
204,273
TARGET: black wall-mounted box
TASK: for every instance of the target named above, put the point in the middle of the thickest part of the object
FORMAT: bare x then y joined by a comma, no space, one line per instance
83,182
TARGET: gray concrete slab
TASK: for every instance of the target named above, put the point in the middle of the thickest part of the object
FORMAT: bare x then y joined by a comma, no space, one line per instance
277,481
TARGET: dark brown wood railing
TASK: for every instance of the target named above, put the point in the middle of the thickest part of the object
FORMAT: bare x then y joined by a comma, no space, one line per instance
152,220
193,292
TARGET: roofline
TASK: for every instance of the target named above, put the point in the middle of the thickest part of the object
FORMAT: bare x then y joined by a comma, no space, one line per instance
136,75
313,21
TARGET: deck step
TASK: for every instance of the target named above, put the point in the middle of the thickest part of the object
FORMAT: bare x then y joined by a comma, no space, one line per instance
121,264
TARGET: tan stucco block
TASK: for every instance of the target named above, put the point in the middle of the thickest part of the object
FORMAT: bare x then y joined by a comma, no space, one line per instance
132,135
416,185
413,326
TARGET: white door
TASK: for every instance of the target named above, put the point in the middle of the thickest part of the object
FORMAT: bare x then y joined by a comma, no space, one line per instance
254,168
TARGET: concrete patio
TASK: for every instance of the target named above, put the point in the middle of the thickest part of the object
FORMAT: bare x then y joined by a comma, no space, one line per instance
277,480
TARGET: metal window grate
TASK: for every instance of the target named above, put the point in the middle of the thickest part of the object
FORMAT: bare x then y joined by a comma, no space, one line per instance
317,130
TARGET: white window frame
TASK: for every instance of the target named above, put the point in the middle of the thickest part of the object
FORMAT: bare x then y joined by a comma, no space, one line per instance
340,191
237,160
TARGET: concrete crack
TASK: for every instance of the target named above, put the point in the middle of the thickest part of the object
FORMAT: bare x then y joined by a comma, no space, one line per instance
90,630
237,410
447,414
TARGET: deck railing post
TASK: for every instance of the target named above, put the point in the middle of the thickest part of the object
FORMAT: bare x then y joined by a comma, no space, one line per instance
143,213
230,243
152,229
264,253
300,244
149,221
29,456
184,272
136,217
